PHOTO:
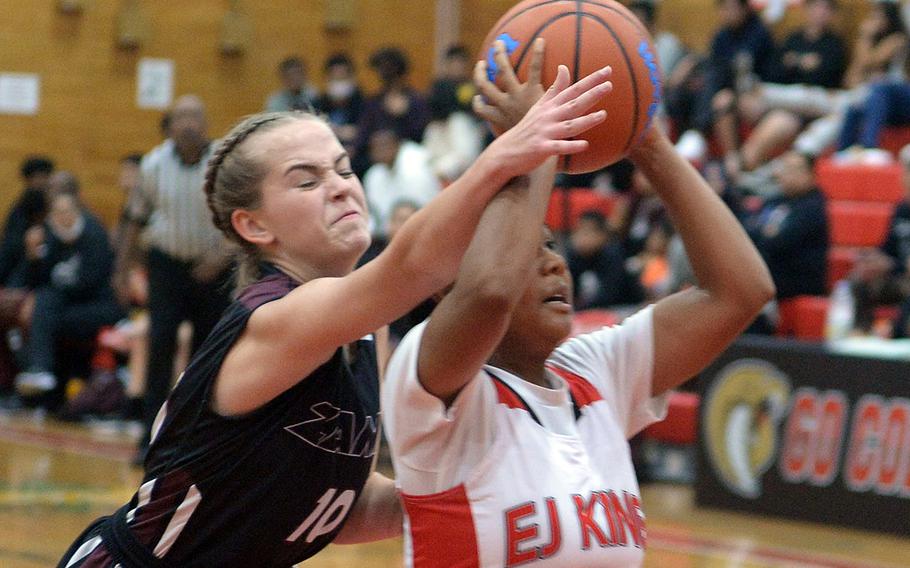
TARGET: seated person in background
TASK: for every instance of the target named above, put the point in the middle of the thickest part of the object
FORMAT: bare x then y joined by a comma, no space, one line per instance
342,102
810,63
741,48
454,137
887,104
597,264
397,106
677,65
635,217
70,264
651,266
29,210
882,275
879,54
791,231
401,170
401,212
296,92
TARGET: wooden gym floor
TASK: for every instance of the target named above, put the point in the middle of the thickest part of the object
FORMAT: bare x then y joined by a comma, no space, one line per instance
55,478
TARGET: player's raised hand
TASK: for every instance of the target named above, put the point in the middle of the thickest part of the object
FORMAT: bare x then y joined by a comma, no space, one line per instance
548,126
504,109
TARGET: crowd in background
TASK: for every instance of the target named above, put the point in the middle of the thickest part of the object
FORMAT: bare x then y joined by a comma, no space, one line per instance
754,114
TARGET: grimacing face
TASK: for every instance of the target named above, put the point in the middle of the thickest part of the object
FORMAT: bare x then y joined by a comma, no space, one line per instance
313,209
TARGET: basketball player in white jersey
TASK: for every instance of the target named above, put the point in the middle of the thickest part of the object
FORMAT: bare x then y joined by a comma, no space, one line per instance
510,443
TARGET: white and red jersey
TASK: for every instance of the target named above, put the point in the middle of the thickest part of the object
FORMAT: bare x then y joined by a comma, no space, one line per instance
513,474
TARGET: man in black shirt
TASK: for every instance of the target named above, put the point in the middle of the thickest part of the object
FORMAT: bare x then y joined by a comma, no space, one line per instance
791,231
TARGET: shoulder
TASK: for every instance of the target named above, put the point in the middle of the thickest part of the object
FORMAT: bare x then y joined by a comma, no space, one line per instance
273,286
599,349
157,155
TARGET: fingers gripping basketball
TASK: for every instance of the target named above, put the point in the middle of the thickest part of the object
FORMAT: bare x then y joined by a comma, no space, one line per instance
586,35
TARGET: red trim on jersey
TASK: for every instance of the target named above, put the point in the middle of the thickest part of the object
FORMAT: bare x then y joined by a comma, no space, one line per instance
507,396
442,529
583,392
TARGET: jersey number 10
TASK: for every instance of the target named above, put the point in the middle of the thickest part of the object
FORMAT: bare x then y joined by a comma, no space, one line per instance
327,515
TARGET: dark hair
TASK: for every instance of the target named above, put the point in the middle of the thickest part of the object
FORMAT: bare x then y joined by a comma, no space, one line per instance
66,183
646,8
810,160
393,58
290,63
232,181
134,158
338,58
894,23
164,125
36,165
457,50
833,4
596,218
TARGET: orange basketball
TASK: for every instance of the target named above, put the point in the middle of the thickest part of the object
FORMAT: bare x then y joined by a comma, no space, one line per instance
585,35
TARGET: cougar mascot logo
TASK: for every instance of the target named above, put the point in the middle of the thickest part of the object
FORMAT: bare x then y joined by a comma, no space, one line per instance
744,408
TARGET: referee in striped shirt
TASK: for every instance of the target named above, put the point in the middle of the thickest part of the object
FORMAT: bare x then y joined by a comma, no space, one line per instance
188,264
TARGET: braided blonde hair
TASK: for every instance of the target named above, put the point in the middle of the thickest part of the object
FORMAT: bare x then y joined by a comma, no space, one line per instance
233,179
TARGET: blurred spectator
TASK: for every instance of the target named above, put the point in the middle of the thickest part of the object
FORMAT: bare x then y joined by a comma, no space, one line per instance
635,217
453,90
296,92
809,64
675,63
597,264
454,137
651,265
342,101
401,212
878,54
741,51
188,269
882,275
396,107
28,211
401,170
70,263
791,231
888,104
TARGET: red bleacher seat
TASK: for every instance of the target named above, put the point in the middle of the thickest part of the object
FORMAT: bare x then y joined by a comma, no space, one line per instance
681,424
858,224
893,138
859,182
579,201
840,263
803,317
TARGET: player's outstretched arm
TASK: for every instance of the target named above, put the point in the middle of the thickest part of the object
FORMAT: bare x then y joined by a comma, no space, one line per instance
692,327
289,338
